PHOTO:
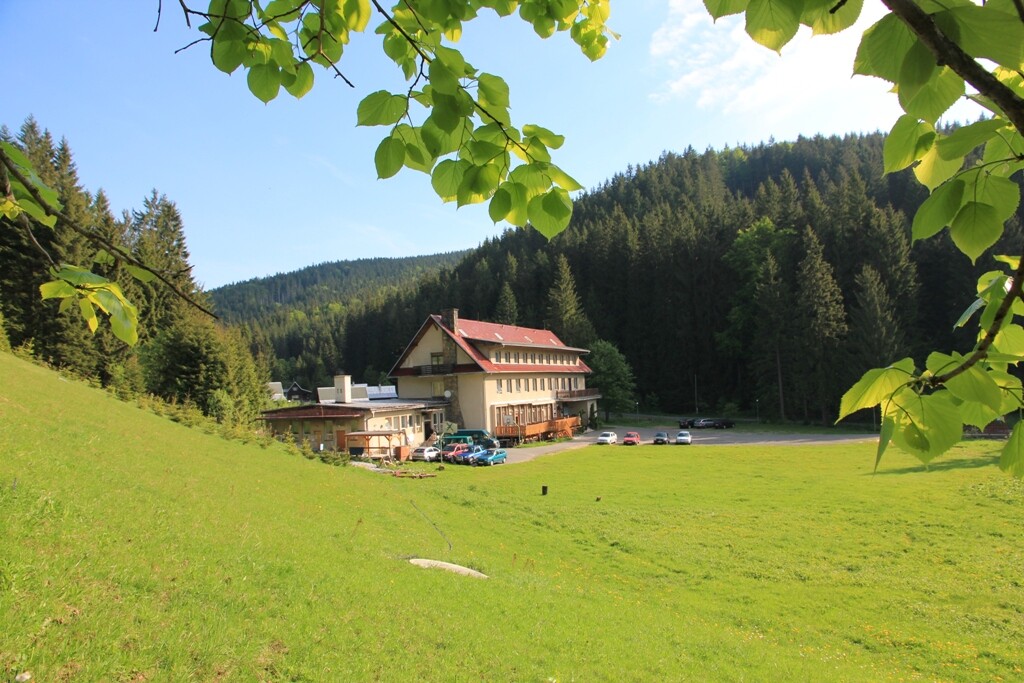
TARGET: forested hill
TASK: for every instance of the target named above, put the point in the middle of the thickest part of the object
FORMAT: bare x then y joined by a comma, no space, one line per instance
760,279
323,284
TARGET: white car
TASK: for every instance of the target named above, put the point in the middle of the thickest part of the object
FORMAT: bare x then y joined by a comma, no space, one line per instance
683,437
426,454
608,437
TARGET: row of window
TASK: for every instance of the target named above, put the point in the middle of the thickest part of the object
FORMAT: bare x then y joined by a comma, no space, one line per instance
533,357
537,384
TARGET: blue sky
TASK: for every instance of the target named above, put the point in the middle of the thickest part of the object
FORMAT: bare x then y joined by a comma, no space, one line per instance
272,188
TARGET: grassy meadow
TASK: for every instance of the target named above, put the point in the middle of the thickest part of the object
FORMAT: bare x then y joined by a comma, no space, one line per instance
135,549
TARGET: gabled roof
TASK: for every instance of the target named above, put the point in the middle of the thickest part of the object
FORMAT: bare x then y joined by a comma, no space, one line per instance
469,331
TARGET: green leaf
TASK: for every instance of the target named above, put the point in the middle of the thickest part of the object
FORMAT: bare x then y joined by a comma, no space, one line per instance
722,8
931,425
883,48
933,98
973,384
977,414
1001,193
389,157
478,184
447,177
934,170
550,212
824,18
442,78
264,81
875,387
907,142
519,197
140,274
88,314
303,81
56,289
1010,340
1011,460
986,32
562,179
381,108
358,14
773,23
963,140
884,437
227,54
492,91
938,210
975,229
500,204
544,136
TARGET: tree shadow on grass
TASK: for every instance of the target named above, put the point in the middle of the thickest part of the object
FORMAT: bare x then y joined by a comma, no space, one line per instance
943,465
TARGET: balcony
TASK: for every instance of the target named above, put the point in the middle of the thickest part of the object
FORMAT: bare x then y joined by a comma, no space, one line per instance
579,394
565,426
438,369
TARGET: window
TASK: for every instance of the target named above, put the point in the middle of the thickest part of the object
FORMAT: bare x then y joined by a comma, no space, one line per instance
405,421
497,356
517,356
533,357
498,383
519,384
436,359
508,356
534,384
575,382
437,388
543,383
508,385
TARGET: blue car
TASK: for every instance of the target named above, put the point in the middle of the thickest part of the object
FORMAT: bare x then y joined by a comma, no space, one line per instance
467,457
493,456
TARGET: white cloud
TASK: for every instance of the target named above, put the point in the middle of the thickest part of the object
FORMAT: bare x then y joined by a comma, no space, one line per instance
717,68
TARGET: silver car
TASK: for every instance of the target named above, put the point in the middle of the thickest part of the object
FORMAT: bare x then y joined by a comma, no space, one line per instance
684,437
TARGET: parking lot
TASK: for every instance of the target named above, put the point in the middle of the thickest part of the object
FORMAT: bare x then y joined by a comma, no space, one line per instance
709,437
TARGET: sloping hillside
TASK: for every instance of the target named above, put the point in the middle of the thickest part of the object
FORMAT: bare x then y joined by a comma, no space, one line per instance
135,549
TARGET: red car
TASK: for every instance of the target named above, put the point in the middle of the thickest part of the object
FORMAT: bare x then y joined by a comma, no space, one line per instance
631,439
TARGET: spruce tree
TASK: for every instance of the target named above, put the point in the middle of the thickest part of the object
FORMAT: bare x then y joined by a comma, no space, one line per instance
507,311
565,314
822,319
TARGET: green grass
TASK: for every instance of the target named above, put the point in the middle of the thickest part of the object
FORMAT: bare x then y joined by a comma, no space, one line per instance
133,548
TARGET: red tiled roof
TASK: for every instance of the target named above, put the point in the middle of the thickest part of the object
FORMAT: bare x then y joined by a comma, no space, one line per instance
469,331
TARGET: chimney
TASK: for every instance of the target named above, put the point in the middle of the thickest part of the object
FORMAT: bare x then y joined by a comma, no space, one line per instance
343,387
450,318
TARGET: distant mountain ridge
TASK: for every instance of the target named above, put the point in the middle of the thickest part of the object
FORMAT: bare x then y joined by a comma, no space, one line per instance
323,284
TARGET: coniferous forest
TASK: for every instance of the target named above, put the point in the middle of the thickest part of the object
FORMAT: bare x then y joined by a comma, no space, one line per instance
760,280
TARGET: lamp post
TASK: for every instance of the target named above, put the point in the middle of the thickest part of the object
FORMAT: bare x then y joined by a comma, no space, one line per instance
757,410
638,412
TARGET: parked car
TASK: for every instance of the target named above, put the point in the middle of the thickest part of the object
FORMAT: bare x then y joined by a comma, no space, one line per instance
686,422
724,423
631,439
492,456
426,454
608,438
449,452
704,423
661,437
467,456
683,437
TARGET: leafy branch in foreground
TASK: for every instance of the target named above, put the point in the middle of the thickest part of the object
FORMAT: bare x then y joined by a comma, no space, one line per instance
25,199
453,122
930,52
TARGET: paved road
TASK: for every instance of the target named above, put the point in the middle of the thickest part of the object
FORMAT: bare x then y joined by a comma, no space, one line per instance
711,437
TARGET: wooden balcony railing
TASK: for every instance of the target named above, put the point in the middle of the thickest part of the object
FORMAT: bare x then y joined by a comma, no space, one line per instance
442,369
578,394
564,426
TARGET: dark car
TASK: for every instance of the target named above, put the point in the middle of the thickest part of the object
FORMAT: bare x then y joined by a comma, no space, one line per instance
724,423
686,422
704,423
661,438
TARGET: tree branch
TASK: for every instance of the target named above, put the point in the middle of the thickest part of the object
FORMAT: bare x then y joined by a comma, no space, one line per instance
981,351
947,52
11,167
